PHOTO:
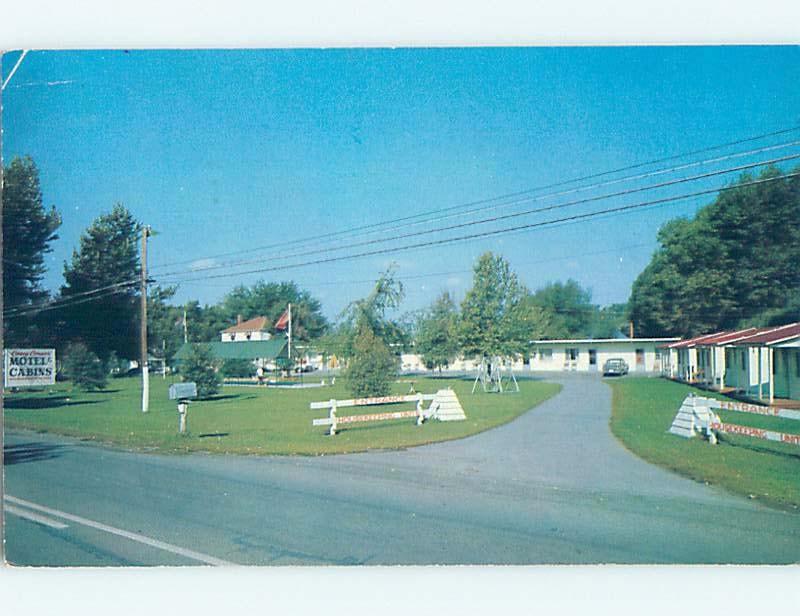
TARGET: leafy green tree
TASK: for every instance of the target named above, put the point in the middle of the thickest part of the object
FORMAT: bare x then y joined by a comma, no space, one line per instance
371,312
28,230
106,261
372,367
270,299
203,323
200,367
570,308
437,333
494,319
238,368
83,367
164,323
735,264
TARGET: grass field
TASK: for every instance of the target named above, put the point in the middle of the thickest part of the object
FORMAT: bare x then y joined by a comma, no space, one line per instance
643,410
249,420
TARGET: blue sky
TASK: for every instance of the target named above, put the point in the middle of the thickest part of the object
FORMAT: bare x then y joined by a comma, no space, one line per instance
226,151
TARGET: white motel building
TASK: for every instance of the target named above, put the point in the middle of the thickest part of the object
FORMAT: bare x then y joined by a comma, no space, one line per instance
589,355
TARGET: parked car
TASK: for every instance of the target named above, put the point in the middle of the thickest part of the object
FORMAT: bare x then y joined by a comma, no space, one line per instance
615,367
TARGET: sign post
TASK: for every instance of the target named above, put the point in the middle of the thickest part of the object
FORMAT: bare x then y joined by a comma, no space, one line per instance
183,392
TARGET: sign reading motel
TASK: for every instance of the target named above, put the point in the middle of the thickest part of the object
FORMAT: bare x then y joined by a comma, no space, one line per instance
29,367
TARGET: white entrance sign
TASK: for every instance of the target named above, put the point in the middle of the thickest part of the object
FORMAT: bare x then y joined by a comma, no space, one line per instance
29,367
696,416
444,406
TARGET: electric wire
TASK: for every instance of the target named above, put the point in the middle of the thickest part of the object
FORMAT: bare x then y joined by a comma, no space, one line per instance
498,198
502,217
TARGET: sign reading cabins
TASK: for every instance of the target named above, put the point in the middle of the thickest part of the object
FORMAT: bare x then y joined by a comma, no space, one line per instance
29,367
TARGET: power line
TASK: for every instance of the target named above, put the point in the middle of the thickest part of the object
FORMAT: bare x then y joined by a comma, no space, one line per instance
67,300
483,234
467,271
498,198
502,217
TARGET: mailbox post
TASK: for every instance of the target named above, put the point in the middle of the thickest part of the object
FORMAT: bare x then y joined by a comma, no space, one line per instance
183,392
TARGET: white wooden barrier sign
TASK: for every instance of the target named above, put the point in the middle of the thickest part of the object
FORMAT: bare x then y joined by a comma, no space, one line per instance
695,416
444,407
29,367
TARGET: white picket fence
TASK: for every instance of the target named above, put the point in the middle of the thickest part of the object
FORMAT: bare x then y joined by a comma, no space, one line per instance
444,406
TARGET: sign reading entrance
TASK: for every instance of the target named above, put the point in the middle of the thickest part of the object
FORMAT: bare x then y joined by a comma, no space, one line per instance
29,367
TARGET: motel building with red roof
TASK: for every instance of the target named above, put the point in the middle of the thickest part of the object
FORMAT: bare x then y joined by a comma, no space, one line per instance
761,364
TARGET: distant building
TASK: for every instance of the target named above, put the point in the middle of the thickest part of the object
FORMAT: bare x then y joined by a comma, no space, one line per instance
588,355
267,354
251,330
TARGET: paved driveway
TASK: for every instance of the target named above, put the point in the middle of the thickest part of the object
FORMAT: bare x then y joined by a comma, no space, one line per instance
553,486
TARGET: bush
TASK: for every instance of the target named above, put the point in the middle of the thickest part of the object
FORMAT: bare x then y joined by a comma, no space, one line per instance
83,367
200,367
372,368
238,368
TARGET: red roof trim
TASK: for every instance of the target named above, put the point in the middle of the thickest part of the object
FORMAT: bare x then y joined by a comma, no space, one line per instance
773,335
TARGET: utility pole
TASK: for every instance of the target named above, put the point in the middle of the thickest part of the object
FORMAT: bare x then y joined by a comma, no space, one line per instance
143,328
185,328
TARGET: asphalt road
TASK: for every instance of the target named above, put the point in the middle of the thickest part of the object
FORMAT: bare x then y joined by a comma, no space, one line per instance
553,486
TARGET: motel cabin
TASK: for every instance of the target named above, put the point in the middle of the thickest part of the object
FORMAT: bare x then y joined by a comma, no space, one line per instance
765,366
758,363
682,359
713,353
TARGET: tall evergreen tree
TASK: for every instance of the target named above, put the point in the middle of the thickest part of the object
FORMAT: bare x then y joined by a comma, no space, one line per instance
106,261
28,230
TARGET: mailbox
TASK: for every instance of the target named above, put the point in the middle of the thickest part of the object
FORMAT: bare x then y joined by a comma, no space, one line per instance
182,391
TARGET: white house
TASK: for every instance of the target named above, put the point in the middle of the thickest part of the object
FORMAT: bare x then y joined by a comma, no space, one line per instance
589,355
251,330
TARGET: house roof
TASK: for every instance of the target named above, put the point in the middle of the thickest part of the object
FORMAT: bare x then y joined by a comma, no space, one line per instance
692,342
592,340
250,349
722,338
773,335
257,324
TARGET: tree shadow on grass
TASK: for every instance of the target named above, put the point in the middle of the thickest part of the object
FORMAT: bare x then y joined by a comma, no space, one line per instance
30,452
218,397
44,403
759,448
213,434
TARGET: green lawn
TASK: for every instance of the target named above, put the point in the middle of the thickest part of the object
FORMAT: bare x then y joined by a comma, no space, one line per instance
249,420
643,410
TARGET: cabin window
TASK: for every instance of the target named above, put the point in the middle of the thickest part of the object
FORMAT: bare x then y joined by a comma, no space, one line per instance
571,354
592,357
